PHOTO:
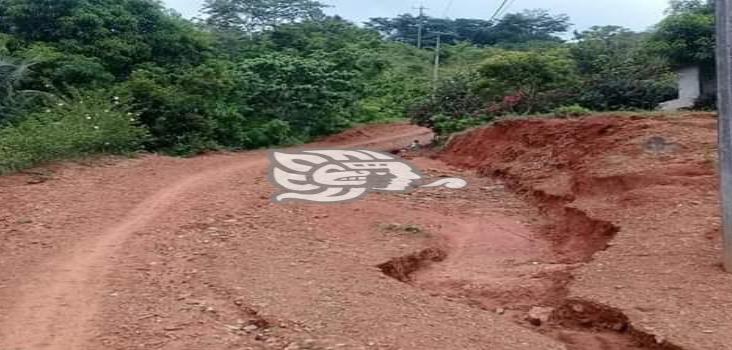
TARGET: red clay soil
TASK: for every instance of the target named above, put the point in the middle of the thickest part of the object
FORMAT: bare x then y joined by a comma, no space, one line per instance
166,253
633,200
610,223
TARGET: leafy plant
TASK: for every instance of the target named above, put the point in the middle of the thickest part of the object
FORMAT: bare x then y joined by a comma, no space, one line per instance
529,74
454,106
87,124
13,100
571,111
686,36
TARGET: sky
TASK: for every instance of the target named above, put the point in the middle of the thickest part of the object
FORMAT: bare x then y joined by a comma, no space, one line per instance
634,14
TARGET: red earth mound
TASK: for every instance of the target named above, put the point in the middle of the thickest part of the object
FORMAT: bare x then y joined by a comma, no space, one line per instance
594,156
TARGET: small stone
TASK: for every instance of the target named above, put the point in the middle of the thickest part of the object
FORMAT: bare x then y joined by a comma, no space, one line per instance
500,311
539,315
250,328
618,327
578,308
232,327
293,346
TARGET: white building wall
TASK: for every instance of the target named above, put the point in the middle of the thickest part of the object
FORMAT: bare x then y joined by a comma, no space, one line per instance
689,89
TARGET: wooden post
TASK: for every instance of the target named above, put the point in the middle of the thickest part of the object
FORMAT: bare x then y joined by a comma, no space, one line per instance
724,81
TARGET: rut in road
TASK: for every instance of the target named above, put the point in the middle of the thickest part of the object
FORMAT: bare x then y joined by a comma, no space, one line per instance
52,308
57,303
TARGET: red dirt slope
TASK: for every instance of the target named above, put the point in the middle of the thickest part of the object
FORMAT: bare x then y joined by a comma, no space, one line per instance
634,199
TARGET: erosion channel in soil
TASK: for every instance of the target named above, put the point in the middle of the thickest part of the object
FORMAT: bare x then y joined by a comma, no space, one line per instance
515,256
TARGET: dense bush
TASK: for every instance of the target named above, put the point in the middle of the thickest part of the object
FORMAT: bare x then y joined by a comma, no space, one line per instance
455,106
528,74
195,88
280,72
88,124
618,71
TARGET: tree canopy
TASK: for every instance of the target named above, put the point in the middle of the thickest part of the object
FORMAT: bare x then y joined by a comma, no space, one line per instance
527,26
687,35
257,15
85,76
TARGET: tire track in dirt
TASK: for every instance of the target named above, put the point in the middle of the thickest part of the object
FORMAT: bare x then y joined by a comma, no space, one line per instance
56,304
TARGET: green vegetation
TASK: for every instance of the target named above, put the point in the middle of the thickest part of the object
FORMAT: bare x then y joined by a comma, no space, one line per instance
254,74
571,111
86,76
606,68
88,124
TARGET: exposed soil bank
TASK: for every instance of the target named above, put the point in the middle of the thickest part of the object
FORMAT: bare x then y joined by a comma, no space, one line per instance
634,200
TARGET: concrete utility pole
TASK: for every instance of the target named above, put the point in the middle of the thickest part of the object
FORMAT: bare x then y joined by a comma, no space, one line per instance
436,74
724,81
420,24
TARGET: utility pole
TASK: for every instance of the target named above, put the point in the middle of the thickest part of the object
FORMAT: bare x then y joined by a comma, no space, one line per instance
420,24
724,81
436,74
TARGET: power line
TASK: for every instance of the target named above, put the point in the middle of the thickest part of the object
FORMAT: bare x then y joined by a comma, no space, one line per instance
500,8
506,8
447,8
421,9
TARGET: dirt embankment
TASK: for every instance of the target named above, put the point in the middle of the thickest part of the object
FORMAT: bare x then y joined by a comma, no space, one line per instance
634,200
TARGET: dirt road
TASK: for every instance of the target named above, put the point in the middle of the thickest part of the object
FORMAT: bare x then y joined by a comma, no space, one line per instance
166,253
589,234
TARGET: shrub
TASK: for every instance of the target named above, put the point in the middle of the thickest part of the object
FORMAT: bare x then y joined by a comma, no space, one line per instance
571,111
529,74
86,125
455,99
444,125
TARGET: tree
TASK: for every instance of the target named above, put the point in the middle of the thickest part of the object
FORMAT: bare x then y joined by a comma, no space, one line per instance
600,47
38,20
13,100
687,35
534,25
617,72
120,33
528,76
527,26
256,15
404,28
